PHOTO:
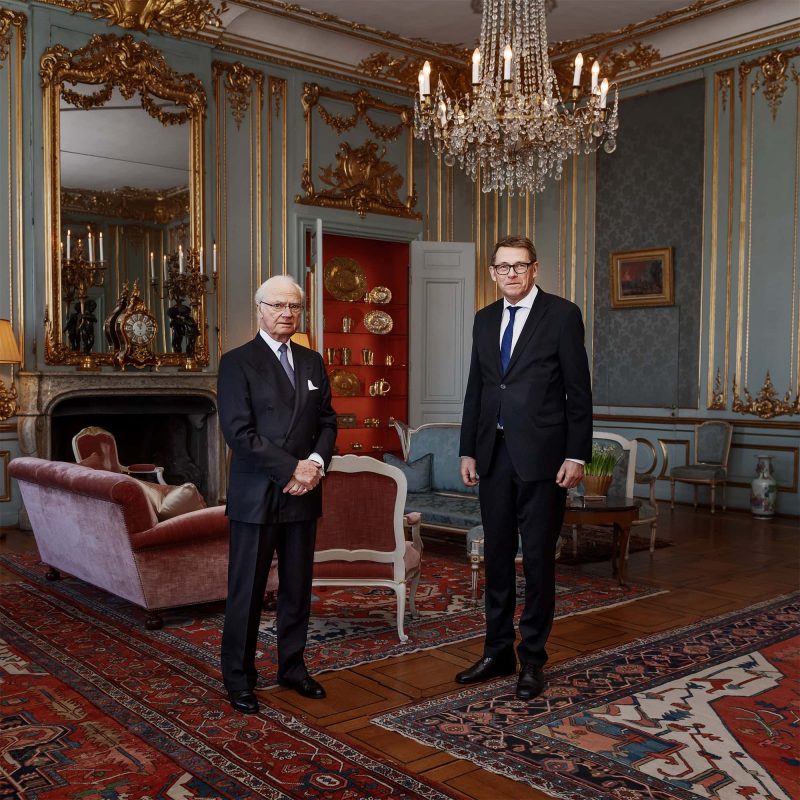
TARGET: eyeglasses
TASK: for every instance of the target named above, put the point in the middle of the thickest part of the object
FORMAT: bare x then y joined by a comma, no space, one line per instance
520,267
295,308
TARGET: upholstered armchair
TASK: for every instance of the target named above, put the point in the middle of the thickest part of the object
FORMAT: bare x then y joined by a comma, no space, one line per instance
712,447
361,539
97,448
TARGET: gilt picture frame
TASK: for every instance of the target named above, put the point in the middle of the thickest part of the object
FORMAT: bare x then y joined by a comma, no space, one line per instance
641,278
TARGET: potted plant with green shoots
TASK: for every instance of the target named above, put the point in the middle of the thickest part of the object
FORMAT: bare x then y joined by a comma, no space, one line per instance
598,473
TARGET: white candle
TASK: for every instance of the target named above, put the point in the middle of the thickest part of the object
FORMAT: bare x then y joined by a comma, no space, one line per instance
595,74
603,92
507,63
476,67
201,261
421,79
69,244
180,258
164,268
214,258
426,78
152,265
101,247
91,247
576,78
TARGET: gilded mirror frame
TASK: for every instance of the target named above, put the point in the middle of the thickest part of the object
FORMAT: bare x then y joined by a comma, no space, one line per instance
122,62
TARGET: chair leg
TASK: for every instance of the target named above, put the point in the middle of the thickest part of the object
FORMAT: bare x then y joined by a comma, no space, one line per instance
672,493
574,540
400,591
724,492
475,565
652,536
695,496
713,491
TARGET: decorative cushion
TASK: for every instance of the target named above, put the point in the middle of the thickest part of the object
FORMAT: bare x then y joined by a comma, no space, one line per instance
178,500
448,510
443,441
418,473
93,461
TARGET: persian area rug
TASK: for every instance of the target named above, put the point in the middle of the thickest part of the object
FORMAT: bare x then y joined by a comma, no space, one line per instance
91,709
711,710
594,544
349,626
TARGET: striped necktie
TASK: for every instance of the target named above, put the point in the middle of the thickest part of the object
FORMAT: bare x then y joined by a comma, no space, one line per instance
287,367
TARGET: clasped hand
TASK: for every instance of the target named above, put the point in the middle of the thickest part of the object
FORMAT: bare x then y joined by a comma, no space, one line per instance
306,476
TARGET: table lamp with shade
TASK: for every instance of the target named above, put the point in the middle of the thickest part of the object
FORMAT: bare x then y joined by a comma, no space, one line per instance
9,354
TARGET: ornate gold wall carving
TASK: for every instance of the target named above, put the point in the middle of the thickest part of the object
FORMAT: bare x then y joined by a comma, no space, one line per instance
146,205
361,179
8,21
772,76
766,404
239,82
164,16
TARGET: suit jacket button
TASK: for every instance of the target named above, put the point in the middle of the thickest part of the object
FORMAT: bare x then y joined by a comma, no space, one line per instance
502,386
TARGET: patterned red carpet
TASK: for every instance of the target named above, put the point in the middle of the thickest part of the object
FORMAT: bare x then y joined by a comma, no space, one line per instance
348,626
91,709
711,710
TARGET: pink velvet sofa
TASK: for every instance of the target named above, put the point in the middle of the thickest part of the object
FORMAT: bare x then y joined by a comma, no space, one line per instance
100,527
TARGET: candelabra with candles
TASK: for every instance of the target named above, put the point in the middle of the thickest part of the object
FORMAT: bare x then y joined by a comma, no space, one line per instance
185,278
80,271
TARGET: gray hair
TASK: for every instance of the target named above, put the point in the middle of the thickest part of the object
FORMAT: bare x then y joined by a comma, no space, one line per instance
278,282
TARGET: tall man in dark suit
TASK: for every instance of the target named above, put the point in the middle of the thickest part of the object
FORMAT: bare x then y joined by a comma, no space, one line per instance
526,433
276,416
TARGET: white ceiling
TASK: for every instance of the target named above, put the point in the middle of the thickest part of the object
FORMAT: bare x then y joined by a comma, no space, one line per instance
454,22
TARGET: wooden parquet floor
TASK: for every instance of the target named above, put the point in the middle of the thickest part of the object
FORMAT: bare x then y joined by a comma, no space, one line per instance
718,563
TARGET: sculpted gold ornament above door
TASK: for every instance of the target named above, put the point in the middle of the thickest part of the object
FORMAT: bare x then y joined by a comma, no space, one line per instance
124,188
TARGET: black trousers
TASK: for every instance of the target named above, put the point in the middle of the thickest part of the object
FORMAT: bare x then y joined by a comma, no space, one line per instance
535,510
251,549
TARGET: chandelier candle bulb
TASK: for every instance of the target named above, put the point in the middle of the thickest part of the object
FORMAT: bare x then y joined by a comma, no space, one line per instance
180,258
91,247
69,244
152,266
476,67
214,258
576,78
101,247
603,92
421,79
426,79
201,261
595,75
507,54
164,268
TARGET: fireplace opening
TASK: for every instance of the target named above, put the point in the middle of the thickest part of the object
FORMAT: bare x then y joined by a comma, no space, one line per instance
171,431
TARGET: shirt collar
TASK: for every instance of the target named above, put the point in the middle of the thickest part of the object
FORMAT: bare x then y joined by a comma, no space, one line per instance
526,302
274,344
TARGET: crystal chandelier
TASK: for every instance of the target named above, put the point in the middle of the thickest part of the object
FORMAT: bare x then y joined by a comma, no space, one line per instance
513,129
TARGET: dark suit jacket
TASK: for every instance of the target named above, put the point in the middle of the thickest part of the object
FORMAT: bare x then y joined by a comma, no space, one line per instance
545,394
270,427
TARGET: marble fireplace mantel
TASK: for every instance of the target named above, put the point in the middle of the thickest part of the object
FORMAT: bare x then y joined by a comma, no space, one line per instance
39,393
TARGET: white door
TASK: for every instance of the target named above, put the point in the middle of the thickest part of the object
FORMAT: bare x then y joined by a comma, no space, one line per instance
441,310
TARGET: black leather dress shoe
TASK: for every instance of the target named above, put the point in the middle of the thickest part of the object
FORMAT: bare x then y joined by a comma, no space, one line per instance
530,683
244,701
307,687
486,668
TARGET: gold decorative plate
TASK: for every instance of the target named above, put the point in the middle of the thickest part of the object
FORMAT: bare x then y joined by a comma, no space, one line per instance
380,295
345,279
344,383
378,322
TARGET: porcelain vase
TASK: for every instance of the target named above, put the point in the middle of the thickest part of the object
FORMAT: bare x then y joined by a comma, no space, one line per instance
763,489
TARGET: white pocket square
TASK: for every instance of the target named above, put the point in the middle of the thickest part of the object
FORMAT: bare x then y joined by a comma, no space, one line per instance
311,386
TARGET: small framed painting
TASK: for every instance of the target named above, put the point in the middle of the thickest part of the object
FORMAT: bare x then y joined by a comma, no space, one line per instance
642,278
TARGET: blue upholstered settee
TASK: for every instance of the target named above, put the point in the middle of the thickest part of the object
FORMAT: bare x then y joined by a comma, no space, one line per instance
444,502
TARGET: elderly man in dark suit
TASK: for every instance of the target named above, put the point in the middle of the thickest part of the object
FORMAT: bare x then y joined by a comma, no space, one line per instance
526,433
275,413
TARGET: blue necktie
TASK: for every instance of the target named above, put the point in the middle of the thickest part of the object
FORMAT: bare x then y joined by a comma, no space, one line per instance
508,336
287,367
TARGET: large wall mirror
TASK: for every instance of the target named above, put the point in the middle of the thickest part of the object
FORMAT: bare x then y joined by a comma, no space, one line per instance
127,275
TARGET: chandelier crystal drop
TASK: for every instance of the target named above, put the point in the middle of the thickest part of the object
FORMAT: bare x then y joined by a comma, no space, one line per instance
513,130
